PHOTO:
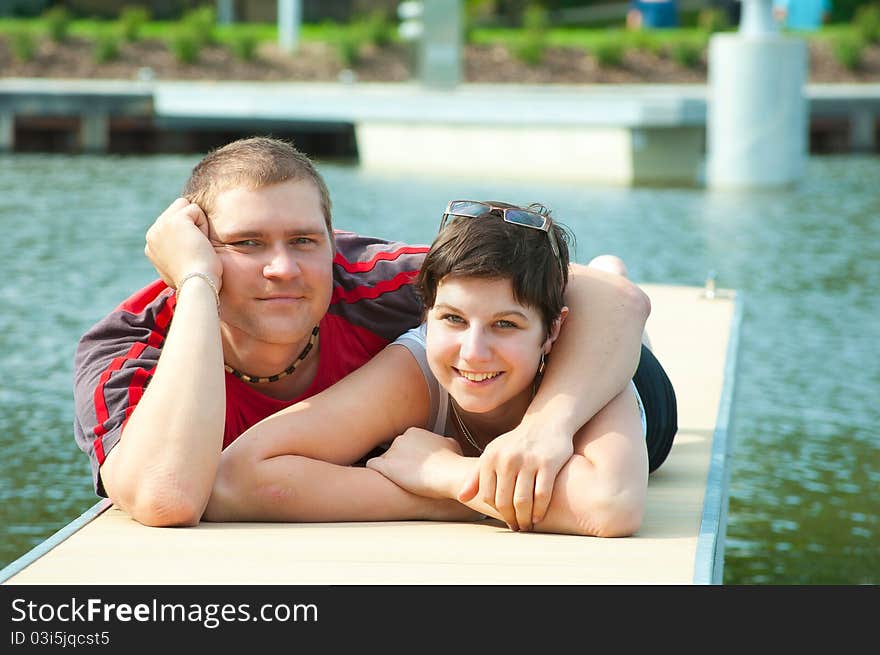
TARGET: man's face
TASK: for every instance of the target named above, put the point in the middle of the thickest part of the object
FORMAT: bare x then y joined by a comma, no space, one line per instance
277,262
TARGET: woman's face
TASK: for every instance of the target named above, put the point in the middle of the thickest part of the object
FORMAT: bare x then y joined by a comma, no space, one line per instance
483,346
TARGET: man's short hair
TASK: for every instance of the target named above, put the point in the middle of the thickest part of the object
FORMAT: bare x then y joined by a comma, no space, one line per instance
253,163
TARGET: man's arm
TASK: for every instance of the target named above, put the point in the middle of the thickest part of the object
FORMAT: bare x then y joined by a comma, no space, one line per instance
592,361
162,470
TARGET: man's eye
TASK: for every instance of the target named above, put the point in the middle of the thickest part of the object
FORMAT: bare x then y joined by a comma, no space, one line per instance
506,324
303,241
245,243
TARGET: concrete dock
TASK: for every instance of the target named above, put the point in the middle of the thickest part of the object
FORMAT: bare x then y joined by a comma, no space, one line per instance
680,542
608,134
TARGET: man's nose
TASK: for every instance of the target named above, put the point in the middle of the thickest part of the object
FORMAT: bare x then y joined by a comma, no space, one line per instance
282,264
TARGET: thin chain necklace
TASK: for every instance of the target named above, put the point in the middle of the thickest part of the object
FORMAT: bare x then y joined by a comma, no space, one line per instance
274,378
467,433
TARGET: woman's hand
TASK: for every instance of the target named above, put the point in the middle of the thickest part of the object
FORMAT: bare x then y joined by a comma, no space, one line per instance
423,463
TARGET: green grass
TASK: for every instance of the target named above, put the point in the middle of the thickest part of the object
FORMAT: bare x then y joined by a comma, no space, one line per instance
588,39
585,38
327,32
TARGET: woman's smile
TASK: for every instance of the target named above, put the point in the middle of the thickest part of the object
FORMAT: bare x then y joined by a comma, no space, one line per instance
477,377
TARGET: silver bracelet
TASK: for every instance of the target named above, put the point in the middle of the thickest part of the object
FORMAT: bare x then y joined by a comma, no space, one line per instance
206,278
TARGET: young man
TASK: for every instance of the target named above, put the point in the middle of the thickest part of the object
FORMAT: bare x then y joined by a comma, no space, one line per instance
269,307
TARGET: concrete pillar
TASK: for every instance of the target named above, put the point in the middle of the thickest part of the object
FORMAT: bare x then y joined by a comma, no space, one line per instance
7,132
862,135
757,127
94,132
289,19
440,46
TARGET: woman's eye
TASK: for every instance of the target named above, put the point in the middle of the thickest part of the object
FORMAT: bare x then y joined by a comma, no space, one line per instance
506,324
452,318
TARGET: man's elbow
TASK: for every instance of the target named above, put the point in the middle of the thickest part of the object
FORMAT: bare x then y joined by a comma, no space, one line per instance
617,513
161,506
637,302
623,521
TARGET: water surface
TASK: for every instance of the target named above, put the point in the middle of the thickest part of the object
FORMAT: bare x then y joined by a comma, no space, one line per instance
805,479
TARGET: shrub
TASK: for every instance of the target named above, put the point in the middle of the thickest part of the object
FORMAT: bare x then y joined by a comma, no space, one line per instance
57,22
867,22
243,44
643,40
712,20
533,40
377,29
132,21
848,49
348,44
23,43
686,52
535,19
202,23
106,46
186,44
475,13
529,50
608,52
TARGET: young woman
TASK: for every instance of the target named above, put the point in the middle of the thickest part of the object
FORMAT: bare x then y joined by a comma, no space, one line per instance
493,285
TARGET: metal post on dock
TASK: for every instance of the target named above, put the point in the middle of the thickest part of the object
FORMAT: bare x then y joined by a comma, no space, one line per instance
94,132
289,19
862,137
7,132
757,115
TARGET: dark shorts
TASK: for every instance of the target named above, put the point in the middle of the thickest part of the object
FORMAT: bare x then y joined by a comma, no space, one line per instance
661,410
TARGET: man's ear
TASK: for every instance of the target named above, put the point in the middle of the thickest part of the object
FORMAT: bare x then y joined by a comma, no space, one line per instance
554,329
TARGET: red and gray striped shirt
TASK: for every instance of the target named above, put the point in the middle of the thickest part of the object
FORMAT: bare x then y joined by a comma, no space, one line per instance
373,302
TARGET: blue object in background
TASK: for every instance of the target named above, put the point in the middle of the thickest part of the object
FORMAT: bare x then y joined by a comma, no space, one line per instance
656,13
802,15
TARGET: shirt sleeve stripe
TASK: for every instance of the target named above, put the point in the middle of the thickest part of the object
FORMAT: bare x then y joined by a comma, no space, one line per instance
101,412
362,267
138,381
372,292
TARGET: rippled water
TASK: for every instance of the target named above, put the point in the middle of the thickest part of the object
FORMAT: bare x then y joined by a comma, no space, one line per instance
805,481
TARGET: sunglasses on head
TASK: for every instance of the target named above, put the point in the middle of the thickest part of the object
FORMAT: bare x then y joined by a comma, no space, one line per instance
523,217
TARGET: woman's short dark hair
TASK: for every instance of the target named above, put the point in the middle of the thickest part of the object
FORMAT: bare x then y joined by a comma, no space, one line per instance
488,247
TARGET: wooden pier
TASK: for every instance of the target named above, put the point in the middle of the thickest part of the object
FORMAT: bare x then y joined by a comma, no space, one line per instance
695,334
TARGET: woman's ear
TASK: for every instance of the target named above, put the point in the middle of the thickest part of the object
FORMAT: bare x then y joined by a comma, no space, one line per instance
554,330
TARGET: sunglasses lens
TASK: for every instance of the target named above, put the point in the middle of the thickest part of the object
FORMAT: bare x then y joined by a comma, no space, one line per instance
468,208
520,217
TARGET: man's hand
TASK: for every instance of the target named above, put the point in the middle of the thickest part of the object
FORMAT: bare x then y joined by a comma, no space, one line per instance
517,472
423,463
178,243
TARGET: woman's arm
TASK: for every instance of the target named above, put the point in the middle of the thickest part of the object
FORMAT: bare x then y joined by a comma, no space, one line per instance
294,488
600,490
293,465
